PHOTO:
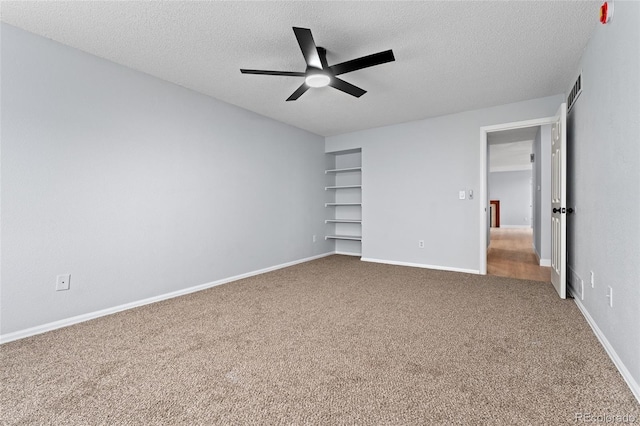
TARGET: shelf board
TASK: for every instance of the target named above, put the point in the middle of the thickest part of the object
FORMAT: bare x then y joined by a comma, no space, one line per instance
343,237
342,204
342,187
342,221
346,151
348,169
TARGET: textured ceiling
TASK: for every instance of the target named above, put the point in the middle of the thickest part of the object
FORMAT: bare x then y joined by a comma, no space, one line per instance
450,56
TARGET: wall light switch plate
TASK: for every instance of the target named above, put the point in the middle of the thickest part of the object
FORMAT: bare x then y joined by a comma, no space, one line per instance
462,194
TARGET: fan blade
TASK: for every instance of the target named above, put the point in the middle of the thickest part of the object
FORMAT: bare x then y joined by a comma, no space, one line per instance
363,62
346,87
308,47
299,91
322,53
262,72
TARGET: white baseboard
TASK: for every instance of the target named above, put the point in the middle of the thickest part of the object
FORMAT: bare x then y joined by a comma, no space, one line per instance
32,331
515,226
347,253
541,262
631,382
421,265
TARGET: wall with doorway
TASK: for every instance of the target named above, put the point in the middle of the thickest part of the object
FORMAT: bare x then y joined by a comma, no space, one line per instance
604,187
411,178
513,189
542,195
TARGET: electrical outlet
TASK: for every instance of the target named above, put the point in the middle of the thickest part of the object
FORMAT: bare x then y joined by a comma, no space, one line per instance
420,243
62,282
314,238
592,279
610,296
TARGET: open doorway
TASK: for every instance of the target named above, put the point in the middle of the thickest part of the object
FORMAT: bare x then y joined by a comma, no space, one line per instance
510,185
516,177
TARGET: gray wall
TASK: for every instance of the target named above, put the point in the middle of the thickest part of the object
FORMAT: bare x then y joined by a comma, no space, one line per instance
513,189
604,182
412,173
542,194
138,187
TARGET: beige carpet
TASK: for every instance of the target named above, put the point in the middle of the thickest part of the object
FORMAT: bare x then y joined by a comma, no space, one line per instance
333,341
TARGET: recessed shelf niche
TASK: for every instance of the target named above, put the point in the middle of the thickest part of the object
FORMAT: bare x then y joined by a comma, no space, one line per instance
344,201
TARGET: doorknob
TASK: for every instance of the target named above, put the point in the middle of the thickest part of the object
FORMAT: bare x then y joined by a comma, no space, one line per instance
556,210
569,210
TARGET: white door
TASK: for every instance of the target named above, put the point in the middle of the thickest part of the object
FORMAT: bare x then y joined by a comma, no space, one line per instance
558,202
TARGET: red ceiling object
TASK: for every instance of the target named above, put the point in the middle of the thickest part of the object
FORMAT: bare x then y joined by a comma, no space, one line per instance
606,12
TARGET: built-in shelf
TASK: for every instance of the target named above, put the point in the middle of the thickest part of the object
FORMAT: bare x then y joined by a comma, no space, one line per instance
343,237
348,169
342,187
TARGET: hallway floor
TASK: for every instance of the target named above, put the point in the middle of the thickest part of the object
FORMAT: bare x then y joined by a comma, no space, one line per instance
511,254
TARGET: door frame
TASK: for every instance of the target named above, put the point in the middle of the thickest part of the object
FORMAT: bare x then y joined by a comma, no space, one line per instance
497,204
484,199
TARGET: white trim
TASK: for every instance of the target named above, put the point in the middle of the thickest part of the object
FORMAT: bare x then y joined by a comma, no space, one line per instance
21,334
626,375
421,265
482,251
535,251
518,124
515,226
484,219
347,253
519,168
541,262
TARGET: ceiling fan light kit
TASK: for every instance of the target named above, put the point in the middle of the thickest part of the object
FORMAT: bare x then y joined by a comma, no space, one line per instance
319,73
318,79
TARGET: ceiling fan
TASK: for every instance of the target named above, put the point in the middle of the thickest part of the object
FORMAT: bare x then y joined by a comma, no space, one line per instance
319,73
